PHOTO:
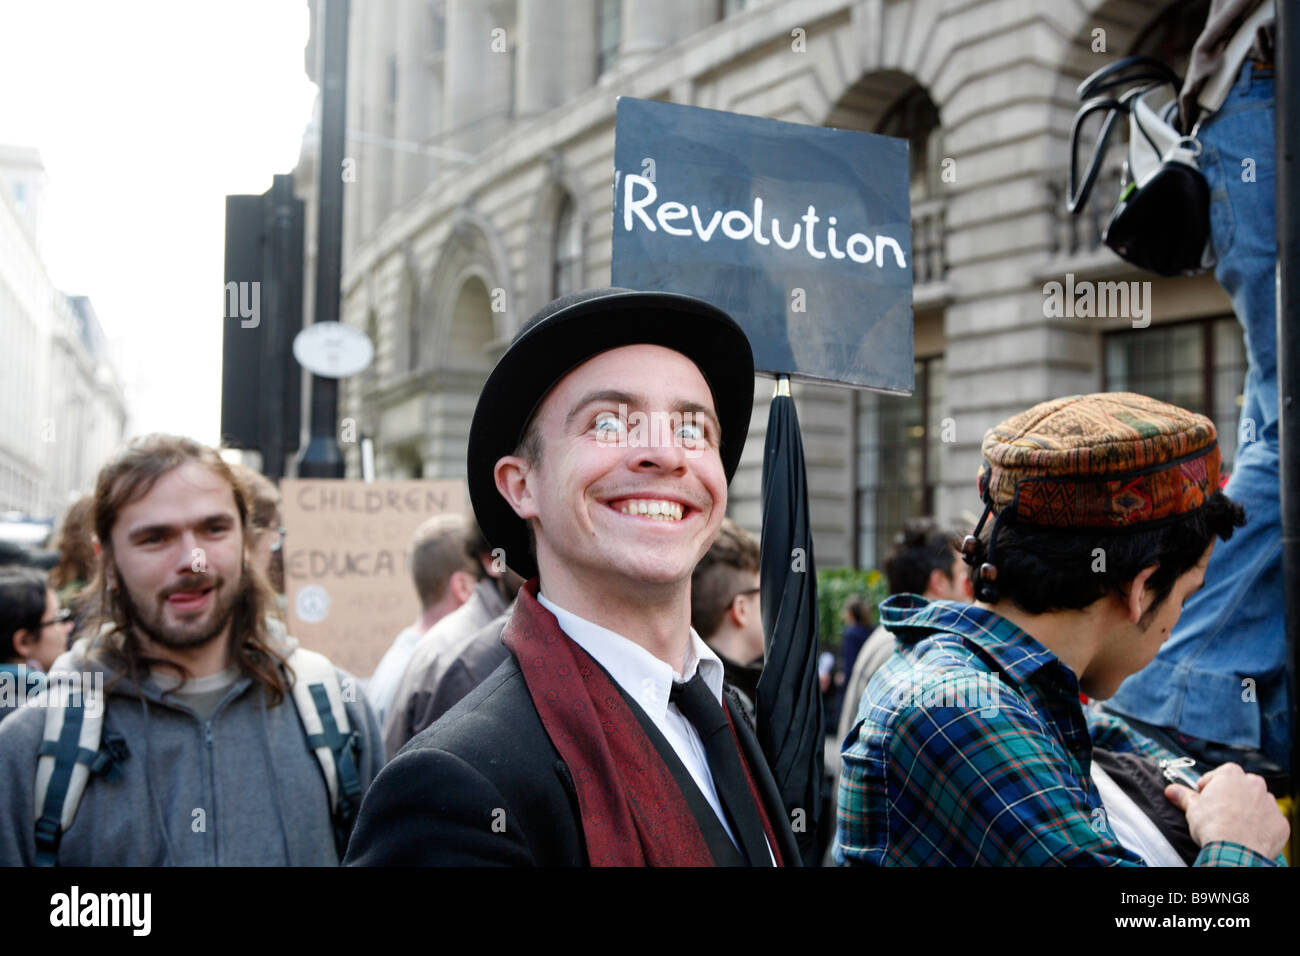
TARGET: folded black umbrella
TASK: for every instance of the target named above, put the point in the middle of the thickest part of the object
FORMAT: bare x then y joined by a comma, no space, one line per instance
788,705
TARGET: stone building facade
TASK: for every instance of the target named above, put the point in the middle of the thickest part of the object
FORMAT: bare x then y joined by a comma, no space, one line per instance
479,171
62,405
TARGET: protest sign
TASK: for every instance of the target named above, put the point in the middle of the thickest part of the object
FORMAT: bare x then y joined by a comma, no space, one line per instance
345,561
801,233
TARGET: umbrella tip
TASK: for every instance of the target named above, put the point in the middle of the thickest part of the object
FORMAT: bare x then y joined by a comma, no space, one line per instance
782,386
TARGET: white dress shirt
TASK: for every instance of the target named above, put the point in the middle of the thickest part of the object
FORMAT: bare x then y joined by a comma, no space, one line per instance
648,681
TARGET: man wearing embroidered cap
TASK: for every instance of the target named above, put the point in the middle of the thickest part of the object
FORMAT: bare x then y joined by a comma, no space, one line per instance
599,457
1101,512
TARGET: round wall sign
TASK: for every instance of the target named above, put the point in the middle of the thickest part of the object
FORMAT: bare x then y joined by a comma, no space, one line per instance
333,350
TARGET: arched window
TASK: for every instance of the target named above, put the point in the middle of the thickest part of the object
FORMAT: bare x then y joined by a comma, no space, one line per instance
566,250
915,118
471,327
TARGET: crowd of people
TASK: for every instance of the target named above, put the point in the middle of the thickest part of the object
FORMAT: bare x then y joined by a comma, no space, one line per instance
591,698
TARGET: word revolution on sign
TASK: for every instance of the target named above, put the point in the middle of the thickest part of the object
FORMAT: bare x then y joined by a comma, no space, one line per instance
739,225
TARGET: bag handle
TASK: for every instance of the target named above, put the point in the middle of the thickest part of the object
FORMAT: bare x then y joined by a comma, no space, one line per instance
1149,74
1075,199
1117,74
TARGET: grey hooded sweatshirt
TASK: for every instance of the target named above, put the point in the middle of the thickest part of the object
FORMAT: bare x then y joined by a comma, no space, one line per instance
241,789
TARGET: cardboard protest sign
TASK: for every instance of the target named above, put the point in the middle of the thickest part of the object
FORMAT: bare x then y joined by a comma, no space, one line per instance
801,233
345,562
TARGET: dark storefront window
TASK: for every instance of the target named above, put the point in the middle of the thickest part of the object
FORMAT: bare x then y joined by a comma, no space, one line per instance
897,459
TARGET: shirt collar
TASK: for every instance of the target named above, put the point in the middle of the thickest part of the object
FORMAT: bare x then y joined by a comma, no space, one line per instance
644,677
911,618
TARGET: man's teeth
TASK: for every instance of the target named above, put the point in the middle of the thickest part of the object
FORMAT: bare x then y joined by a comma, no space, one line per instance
659,510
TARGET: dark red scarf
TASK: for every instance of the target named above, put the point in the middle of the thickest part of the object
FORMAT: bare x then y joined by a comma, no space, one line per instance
633,813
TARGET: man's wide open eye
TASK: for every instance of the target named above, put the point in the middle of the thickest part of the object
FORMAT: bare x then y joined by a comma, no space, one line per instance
608,425
690,432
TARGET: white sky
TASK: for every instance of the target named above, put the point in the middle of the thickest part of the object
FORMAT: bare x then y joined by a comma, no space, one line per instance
147,114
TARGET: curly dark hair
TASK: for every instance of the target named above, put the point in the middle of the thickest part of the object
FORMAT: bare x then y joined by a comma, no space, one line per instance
1049,569
922,546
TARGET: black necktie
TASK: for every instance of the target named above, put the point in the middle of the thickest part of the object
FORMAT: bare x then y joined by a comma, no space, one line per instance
701,708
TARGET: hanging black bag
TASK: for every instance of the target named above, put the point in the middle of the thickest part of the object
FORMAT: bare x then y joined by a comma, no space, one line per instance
1162,219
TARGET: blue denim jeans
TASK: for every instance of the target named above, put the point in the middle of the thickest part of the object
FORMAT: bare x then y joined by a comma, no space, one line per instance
1221,675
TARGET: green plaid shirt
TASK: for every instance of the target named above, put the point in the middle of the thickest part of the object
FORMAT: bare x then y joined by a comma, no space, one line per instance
971,747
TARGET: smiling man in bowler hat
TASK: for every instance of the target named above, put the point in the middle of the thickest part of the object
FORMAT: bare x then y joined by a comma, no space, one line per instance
599,458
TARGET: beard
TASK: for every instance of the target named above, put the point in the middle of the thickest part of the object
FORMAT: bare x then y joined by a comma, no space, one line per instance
151,620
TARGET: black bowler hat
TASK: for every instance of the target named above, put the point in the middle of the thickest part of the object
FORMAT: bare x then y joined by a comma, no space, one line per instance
568,332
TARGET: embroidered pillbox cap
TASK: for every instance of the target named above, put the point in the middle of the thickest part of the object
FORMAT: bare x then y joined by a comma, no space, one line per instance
1109,460
1113,461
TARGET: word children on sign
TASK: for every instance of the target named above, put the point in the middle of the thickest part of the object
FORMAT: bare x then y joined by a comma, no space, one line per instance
345,561
801,233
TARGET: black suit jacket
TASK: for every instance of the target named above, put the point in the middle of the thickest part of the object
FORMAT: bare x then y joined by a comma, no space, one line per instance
484,786
473,664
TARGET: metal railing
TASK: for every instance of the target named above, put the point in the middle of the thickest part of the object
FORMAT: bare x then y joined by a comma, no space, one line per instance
929,260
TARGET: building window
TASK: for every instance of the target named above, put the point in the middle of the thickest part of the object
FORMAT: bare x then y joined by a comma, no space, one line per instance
370,376
566,251
609,33
438,18
406,463
472,327
414,334
915,118
1199,365
897,459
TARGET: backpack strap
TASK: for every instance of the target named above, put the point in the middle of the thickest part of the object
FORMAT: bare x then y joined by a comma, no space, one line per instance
319,700
70,752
